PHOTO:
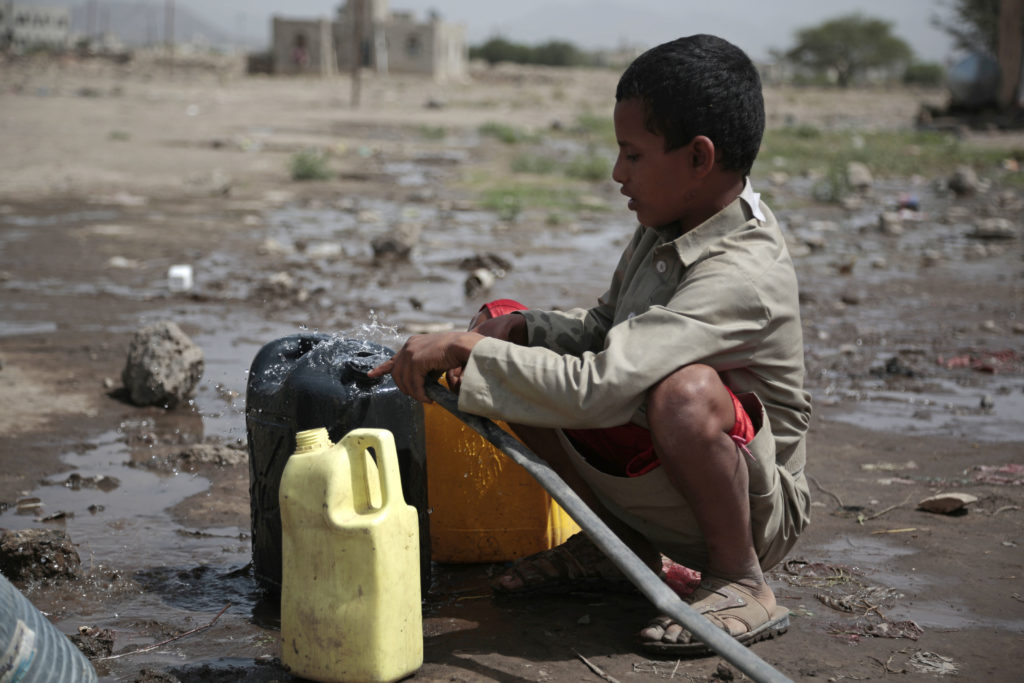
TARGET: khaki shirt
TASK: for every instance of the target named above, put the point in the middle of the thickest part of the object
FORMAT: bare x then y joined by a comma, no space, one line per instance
723,294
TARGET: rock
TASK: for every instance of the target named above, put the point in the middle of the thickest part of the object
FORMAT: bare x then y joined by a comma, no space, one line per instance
94,642
851,298
964,181
993,229
398,245
947,503
34,554
491,261
163,367
930,257
890,223
196,457
858,175
987,402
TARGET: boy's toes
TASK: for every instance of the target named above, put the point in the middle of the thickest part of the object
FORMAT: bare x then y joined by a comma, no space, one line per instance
664,630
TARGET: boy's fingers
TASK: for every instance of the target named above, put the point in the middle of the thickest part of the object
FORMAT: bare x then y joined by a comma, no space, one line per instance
382,369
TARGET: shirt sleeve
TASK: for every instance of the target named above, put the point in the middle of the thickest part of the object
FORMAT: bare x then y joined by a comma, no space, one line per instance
578,330
715,316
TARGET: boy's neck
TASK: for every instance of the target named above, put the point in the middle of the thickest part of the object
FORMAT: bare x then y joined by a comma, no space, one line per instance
718,191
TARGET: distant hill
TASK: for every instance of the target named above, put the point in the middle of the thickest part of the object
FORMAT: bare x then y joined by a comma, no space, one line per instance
137,24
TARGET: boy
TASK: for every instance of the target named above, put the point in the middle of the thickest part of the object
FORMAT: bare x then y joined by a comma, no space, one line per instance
675,406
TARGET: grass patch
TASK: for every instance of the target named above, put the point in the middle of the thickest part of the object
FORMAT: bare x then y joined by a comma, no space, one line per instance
433,132
602,128
533,163
510,200
510,135
803,149
591,167
310,164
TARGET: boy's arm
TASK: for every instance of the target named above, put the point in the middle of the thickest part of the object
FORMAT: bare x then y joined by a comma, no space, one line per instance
578,330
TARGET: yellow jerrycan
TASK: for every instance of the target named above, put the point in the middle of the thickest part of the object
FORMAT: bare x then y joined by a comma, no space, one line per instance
350,580
484,507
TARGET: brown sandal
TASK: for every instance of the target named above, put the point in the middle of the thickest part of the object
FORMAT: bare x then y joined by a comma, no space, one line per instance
575,566
715,599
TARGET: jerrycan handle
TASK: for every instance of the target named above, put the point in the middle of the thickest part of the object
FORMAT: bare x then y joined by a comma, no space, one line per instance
382,442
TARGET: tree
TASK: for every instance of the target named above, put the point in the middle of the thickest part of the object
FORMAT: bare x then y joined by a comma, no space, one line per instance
849,45
973,24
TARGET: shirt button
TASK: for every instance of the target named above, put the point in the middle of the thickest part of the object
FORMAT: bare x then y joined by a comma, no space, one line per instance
630,316
660,266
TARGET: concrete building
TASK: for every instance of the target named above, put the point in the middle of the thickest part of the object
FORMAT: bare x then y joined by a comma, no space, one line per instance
391,42
26,27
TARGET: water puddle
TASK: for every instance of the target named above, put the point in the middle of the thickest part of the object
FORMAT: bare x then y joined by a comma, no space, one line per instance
946,408
881,562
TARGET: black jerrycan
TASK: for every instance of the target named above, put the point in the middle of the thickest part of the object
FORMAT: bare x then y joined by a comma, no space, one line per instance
307,381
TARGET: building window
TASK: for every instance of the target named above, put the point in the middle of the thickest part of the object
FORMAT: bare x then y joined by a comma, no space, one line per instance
413,46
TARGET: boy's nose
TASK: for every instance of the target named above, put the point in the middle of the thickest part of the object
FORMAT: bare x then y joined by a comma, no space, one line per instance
618,174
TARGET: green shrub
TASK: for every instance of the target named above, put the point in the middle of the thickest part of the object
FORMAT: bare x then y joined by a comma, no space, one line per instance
531,163
590,166
510,135
309,164
928,74
433,132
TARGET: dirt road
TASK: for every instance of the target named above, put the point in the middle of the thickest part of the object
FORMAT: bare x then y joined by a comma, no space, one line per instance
110,175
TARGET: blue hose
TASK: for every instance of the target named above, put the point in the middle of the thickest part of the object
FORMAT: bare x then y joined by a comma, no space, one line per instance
32,650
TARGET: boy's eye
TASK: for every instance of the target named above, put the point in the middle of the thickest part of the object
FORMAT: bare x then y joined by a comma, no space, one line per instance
632,157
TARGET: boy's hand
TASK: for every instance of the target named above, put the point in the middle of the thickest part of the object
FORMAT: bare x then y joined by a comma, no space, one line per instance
423,354
507,327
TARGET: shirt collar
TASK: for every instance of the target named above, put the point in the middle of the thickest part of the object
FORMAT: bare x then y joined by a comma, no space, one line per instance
753,200
741,211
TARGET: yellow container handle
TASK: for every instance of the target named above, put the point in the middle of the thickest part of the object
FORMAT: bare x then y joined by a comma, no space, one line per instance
382,442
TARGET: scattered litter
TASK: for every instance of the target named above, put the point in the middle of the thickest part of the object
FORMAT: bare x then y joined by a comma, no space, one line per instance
947,503
895,531
77,482
993,362
1012,474
479,281
876,627
57,516
889,466
28,504
865,600
932,663
179,277
818,574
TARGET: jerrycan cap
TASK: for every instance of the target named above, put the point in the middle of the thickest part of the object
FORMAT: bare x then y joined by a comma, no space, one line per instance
361,363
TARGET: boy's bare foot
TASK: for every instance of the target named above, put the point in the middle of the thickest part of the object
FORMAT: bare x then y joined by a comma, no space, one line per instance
747,612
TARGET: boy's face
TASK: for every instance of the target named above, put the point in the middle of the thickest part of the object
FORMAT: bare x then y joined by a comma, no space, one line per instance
658,183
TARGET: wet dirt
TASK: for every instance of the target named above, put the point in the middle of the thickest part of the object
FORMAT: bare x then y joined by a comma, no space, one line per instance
912,338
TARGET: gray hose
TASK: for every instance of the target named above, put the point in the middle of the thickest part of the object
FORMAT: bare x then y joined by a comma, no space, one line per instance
660,595
32,650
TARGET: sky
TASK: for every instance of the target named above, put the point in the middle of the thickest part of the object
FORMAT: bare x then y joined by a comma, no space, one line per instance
756,26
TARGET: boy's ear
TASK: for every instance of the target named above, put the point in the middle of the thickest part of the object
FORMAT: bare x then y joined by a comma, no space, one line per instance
703,159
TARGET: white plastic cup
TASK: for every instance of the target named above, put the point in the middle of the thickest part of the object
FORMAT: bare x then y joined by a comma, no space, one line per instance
179,278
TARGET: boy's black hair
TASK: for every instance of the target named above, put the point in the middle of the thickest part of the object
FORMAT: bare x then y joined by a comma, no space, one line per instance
700,85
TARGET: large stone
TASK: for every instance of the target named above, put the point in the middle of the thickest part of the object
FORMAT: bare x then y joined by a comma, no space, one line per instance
163,366
858,175
964,181
994,229
35,554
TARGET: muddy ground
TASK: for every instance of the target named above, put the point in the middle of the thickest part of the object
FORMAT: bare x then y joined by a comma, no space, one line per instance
110,174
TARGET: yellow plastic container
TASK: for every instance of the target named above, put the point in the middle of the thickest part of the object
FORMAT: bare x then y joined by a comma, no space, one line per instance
350,582
484,507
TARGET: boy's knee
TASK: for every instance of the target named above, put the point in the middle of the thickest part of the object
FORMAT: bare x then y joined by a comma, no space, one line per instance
694,396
